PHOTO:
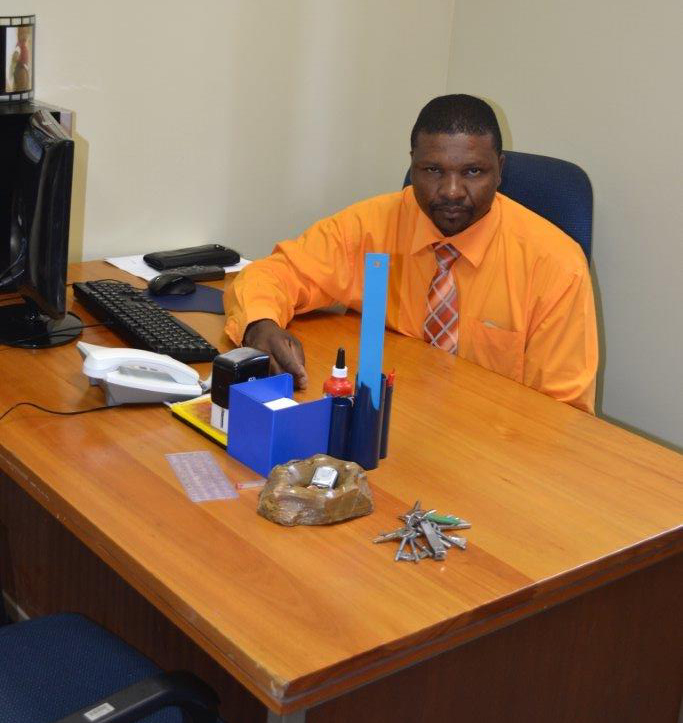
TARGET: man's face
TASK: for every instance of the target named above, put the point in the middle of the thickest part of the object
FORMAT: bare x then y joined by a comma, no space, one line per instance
455,177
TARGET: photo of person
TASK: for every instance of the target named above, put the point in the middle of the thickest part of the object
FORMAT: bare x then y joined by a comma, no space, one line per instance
19,59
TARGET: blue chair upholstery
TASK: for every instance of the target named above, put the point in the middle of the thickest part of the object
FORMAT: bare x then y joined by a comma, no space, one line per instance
557,190
53,666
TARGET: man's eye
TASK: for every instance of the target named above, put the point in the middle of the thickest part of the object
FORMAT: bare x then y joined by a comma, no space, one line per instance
473,171
432,169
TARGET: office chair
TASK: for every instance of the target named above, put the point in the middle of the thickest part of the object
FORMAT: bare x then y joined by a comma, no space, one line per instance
557,190
65,669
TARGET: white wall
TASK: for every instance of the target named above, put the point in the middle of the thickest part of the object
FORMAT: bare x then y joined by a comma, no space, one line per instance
237,121
598,83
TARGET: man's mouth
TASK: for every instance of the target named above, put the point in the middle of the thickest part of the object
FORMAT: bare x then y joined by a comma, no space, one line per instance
452,211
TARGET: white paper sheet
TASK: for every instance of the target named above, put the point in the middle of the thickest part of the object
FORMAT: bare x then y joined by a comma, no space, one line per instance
281,403
136,266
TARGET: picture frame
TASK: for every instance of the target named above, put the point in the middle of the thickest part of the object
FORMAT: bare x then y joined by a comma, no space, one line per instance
17,57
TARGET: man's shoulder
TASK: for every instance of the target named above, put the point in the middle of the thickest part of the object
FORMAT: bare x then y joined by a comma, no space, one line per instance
378,216
539,236
382,202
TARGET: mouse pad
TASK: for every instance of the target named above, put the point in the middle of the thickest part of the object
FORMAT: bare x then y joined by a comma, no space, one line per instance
204,298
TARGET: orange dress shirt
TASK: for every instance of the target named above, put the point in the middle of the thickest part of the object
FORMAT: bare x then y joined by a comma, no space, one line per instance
525,299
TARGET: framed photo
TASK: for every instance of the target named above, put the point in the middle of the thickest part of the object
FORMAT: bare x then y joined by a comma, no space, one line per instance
17,57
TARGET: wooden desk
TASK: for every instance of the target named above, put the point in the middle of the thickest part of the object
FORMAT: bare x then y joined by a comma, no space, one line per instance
565,606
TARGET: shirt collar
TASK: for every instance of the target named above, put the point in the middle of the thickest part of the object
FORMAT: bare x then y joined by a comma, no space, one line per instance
471,243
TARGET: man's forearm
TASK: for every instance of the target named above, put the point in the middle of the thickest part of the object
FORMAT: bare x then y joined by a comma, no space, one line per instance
253,295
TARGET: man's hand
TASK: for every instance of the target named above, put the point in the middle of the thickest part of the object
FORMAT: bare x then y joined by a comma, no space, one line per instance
286,352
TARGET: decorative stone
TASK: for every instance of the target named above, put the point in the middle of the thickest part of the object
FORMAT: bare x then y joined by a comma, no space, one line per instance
289,498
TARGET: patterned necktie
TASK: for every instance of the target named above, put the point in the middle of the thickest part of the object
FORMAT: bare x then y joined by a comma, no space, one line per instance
441,324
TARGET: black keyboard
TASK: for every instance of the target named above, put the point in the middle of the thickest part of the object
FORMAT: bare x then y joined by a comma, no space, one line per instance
141,321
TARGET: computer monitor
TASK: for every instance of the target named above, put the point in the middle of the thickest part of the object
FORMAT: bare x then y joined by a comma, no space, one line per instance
39,239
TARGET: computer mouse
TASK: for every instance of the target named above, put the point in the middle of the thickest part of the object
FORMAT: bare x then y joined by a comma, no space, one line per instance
171,283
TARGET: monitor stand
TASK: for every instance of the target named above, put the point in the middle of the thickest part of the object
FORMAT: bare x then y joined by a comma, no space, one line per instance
23,325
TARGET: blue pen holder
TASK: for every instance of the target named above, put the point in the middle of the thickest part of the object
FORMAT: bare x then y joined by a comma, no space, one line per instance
366,427
340,426
261,437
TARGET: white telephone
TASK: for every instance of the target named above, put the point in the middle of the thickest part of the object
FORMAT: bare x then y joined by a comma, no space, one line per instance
130,376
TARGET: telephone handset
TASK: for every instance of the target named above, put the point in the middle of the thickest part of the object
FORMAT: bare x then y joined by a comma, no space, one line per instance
137,376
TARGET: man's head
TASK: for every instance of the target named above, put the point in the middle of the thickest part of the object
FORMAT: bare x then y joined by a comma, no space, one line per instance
456,161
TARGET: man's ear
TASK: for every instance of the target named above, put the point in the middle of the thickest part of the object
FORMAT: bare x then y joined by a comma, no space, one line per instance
501,163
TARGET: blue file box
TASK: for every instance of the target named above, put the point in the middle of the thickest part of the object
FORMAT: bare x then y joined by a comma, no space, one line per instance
261,437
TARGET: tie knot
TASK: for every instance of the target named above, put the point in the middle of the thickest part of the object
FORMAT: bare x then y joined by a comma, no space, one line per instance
445,256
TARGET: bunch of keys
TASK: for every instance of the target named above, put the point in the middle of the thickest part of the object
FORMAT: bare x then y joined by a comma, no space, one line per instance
432,527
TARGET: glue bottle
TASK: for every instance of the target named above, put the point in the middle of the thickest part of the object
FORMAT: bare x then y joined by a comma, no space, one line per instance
338,385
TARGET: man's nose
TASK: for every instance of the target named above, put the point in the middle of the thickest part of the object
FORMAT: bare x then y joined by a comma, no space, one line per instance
452,186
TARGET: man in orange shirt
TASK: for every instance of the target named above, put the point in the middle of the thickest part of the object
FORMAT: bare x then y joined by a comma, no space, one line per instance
471,271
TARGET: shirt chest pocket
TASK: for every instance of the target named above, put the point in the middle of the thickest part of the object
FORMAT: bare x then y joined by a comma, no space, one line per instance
500,350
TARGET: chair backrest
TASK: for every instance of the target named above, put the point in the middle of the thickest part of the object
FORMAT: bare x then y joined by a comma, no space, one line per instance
557,190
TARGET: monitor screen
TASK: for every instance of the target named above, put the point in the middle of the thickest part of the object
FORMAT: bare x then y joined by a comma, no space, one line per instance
39,238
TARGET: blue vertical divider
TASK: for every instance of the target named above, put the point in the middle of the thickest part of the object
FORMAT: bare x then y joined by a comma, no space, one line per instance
368,410
375,285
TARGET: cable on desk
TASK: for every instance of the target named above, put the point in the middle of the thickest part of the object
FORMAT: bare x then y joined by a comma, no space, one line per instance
7,281
53,411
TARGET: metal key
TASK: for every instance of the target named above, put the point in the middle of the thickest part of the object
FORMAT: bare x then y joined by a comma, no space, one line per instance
433,539
398,557
393,535
460,542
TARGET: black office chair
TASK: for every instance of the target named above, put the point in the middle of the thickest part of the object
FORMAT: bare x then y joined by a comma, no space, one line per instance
57,668
557,190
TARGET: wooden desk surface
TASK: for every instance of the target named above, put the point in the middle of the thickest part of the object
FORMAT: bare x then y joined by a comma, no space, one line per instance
560,502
